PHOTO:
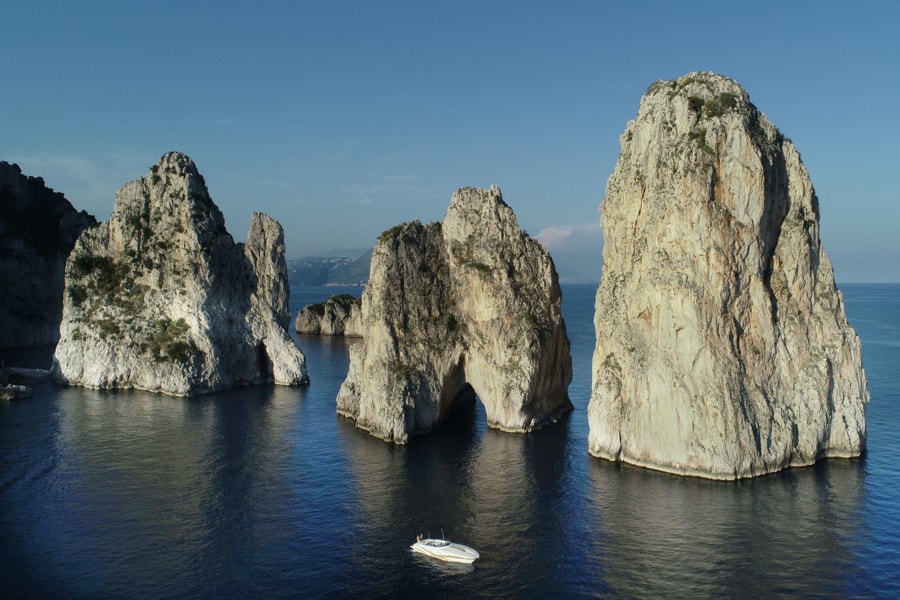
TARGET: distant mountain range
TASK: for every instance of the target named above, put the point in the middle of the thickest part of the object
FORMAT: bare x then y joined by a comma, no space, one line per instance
340,267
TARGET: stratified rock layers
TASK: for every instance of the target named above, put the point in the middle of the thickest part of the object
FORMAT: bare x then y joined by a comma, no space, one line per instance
160,298
470,306
38,228
723,349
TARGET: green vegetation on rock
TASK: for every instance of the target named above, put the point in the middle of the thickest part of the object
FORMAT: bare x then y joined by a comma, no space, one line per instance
169,341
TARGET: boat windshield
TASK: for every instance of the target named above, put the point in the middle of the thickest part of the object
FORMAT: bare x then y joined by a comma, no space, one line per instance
437,543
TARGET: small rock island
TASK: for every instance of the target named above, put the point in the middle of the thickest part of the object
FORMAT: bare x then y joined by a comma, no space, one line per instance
160,298
340,315
467,307
723,349
38,228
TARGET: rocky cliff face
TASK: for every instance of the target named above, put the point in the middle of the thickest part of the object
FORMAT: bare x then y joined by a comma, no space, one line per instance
723,349
38,228
160,298
339,315
470,306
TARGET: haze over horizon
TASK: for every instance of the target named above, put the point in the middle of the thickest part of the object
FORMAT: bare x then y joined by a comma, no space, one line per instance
341,120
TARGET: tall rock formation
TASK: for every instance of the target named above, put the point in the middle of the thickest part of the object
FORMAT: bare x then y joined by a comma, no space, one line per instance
723,350
160,298
38,228
454,310
339,315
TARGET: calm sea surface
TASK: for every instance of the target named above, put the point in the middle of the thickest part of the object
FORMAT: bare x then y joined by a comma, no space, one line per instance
266,492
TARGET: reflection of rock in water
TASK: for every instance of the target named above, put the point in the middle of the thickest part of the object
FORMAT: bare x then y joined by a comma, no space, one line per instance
192,464
503,494
667,536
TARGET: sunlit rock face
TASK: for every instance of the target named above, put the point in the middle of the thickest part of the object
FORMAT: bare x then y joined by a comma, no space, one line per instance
38,228
160,298
723,349
339,315
470,306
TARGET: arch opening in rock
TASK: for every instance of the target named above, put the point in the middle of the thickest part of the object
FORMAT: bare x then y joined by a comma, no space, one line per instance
463,418
263,364
465,397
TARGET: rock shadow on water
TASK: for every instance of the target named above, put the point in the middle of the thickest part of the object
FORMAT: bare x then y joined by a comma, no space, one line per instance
162,476
662,535
504,494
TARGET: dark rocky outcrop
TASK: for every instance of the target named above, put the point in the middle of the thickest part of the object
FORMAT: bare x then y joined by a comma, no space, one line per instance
38,228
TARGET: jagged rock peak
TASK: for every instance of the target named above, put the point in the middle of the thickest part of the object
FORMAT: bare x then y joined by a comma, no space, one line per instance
38,228
160,298
470,306
723,349
339,315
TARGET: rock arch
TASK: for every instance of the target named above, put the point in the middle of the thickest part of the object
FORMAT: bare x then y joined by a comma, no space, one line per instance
469,304
263,364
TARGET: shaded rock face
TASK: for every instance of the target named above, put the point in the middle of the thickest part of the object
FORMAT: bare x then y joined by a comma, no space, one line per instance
38,228
470,306
723,350
339,315
160,298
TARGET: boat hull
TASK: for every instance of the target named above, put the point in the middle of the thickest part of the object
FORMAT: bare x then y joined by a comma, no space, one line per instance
444,550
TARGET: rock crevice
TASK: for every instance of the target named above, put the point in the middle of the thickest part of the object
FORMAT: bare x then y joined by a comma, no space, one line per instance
38,228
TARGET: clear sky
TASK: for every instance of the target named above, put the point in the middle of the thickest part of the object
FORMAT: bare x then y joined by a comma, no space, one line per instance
342,119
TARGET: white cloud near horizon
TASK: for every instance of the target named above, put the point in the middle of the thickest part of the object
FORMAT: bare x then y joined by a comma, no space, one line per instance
577,250
559,236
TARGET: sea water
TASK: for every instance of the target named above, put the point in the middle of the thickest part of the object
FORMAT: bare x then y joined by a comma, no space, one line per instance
264,491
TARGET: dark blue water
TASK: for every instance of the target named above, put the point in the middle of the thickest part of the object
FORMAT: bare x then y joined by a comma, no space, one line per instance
266,492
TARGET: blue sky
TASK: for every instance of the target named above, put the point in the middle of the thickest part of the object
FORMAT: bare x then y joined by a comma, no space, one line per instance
342,119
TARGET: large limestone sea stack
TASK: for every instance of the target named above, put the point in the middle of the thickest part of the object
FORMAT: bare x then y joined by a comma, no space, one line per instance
723,349
470,306
160,298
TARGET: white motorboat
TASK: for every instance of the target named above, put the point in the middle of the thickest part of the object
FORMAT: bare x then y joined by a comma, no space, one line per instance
445,550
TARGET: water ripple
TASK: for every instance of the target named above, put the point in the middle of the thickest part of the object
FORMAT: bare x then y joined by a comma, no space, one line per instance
266,492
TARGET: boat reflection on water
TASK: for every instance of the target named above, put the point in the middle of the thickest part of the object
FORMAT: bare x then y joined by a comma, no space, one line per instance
442,568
